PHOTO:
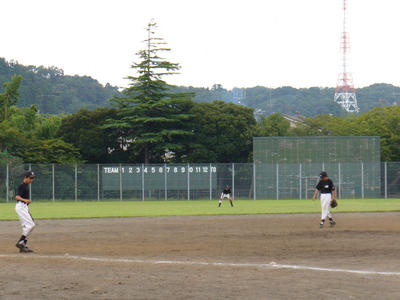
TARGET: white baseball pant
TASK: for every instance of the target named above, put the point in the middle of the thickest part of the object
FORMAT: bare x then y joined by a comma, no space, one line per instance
325,205
25,218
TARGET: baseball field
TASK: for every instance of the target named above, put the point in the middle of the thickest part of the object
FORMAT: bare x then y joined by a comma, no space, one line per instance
194,250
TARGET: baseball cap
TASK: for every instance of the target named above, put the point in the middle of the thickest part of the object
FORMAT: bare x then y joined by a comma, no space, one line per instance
323,174
29,174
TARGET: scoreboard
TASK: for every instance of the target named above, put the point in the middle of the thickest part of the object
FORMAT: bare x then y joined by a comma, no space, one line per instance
172,177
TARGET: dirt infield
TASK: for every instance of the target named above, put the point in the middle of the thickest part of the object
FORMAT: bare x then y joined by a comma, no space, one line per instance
218,257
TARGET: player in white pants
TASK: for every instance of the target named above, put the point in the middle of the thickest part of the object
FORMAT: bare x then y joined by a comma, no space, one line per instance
328,192
22,210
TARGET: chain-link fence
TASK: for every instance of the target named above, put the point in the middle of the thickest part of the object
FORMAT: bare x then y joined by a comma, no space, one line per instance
140,182
315,149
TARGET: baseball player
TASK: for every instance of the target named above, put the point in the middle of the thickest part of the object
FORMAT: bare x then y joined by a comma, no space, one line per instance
25,218
226,193
328,192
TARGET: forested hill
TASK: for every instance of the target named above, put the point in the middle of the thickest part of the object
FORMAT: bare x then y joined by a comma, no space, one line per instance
305,101
52,91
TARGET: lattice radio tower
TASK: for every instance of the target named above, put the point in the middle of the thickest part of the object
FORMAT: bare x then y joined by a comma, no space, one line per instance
345,94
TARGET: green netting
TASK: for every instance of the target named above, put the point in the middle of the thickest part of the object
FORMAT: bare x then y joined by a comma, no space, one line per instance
3,183
64,180
88,186
391,182
298,181
243,181
201,181
316,149
42,189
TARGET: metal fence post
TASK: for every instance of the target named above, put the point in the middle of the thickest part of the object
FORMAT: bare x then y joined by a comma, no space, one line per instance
255,182
210,182
30,186
339,180
142,182
165,183
300,171
188,182
233,181
53,183
120,182
386,182
277,181
98,182
76,182
362,180
7,183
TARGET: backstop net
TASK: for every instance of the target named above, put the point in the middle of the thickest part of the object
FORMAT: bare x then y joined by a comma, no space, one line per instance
317,149
288,167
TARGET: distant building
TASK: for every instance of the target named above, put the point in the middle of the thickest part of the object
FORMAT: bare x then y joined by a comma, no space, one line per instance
294,120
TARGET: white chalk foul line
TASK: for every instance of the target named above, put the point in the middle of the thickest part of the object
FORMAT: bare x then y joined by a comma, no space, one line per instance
271,265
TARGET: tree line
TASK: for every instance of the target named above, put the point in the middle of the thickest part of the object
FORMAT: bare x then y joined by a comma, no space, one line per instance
153,122
298,101
53,92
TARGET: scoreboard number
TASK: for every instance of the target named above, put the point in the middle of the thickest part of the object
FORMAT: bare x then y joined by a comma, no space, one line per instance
161,170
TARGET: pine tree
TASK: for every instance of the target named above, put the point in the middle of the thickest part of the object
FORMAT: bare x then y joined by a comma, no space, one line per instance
154,121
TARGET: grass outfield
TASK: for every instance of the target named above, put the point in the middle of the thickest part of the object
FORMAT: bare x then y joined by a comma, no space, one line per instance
109,209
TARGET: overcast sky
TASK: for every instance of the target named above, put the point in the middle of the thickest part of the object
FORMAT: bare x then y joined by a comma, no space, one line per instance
234,43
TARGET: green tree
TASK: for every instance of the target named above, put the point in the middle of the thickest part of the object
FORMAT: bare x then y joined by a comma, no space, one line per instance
7,158
11,137
52,151
47,126
24,131
10,95
223,132
153,120
54,92
12,131
383,122
273,125
84,129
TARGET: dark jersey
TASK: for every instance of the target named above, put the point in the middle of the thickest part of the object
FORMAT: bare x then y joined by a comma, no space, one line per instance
325,186
23,191
226,192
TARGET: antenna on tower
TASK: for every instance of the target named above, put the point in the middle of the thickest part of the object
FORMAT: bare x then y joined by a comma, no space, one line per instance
345,94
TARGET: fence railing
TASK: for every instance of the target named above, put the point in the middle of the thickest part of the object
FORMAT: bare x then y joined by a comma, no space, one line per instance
97,182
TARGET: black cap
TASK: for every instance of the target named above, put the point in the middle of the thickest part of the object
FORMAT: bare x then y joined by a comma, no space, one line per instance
323,174
29,174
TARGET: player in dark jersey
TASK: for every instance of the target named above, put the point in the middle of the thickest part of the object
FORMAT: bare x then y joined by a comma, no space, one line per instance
328,193
25,218
226,193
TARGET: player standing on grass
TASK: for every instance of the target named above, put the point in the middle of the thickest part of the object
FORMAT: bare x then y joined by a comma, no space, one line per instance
328,192
25,217
226,193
